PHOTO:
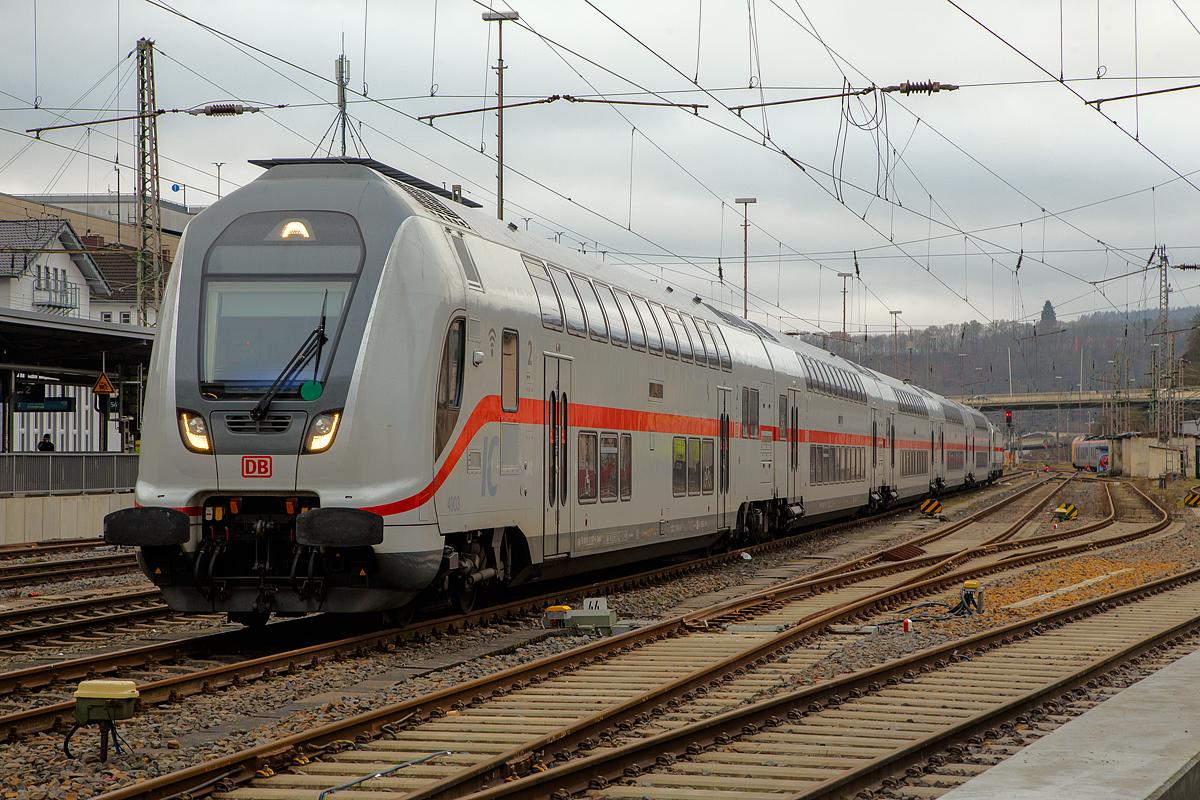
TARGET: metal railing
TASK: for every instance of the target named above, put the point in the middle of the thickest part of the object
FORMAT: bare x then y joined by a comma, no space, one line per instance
67,473
55,294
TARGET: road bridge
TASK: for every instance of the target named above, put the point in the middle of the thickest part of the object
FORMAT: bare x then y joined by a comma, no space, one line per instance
1043,401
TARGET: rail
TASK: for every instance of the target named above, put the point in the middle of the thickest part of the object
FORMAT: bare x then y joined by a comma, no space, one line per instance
66,473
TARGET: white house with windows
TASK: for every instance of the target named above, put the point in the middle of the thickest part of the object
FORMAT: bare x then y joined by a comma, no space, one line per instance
44,268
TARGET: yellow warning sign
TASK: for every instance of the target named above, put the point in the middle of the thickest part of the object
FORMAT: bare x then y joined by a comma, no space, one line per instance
103,385
1066,511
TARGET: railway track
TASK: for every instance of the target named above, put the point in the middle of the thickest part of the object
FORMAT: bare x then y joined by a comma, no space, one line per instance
43,572
868,728
47,716
722,643
53,546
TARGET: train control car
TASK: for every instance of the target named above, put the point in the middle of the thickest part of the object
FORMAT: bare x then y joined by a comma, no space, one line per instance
1090,453
366,396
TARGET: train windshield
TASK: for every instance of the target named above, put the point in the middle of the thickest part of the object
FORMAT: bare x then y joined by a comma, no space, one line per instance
266,280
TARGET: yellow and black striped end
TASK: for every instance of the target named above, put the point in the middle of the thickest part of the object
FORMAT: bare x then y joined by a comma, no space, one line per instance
1192,499
1066,511
931,507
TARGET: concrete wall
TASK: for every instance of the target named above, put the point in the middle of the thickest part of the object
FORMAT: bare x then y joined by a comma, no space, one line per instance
37,519
1144,457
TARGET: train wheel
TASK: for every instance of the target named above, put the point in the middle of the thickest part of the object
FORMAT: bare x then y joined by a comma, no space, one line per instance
402,616
463,600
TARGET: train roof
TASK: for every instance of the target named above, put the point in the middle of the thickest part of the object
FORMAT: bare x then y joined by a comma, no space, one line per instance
626,276
370,163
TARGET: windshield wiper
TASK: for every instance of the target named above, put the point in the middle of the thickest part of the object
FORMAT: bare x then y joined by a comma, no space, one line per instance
311,346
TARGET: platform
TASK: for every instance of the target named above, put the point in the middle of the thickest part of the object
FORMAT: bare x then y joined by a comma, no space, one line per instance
1140,744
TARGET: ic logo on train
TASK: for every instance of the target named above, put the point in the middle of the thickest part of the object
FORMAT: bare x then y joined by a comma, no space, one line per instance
256,466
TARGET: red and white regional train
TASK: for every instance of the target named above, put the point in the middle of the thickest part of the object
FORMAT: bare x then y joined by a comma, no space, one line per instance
363,397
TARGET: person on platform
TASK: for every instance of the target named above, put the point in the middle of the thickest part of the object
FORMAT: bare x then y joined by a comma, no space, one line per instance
46,446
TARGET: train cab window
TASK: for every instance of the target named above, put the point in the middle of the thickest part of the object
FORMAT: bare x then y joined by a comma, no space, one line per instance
626,466
465,260
588,476
609,477
616,325
576,323
722,348
551,308
597,326
509,370
693,459
637,334
706,466
670,346
685,341
268,280
450,385
679,467
653,334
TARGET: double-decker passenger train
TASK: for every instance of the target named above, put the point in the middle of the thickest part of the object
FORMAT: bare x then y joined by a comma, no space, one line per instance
365,395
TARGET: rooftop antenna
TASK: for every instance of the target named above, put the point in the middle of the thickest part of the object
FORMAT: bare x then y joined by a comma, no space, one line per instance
341,73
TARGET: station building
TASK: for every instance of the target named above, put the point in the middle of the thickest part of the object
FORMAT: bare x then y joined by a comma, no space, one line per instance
68,312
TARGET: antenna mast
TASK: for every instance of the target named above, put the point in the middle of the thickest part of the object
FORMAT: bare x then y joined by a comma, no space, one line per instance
341,72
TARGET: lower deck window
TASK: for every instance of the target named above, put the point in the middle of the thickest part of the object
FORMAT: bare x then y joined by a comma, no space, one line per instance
588,476
626,466
913,462
693,466
679,466
833,463
609,474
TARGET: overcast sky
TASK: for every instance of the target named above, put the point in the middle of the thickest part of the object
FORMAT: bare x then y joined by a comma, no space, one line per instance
939,195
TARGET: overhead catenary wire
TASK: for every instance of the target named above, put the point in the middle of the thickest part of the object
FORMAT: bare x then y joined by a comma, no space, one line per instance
629,225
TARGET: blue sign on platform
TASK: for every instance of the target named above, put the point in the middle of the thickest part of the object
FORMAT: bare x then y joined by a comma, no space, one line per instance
50,404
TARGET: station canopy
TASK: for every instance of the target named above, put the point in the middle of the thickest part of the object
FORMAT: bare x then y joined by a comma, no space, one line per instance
69,348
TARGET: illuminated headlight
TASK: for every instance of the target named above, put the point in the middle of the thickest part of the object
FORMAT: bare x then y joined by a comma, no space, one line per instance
194,432
321,432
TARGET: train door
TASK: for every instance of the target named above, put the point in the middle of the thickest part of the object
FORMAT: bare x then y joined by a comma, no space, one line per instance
556,484
724,407
877,448
795,486
890,462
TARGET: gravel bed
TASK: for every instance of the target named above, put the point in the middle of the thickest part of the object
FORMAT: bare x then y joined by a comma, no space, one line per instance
1129,566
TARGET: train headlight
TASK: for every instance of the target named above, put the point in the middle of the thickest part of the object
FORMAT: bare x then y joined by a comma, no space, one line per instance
320,434
194,432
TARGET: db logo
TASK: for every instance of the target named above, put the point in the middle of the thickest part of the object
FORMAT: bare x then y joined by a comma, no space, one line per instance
256,466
